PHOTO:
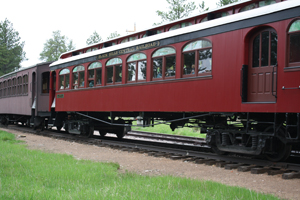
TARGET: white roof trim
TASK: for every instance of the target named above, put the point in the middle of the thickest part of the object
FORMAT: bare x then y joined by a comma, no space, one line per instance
196,27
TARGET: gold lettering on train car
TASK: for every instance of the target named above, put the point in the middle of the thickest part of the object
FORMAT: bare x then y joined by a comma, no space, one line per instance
129,50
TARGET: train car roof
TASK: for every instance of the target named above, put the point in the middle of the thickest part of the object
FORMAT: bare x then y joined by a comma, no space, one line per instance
23,69
161,25
273,8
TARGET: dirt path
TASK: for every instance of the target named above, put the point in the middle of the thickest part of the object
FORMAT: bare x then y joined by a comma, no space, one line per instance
147,165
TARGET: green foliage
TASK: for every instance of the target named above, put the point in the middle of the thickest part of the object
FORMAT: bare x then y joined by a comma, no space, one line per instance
94,38
202,7
113,35
177,10
11,48
225,2
55,46
30,174
165,129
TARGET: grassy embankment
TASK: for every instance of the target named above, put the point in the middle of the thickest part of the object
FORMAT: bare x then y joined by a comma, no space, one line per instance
31,174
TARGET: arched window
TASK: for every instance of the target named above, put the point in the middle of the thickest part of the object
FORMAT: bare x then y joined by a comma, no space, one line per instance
64,79
294,44
95,74
114,71
164,63
78,77
136,67
197,53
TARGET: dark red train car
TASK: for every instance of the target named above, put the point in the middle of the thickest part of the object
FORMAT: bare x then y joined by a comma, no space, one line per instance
232,71
24,96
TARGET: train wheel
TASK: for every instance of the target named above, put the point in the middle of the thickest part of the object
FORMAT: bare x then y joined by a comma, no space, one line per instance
102,133
281,151
59,127
90,132
218,151
121,132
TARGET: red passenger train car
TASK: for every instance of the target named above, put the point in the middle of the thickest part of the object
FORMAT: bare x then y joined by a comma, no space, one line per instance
233,71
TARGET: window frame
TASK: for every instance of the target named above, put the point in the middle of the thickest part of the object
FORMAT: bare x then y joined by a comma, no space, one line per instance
25,84
196,61
94,78
19,83
64,76
293,65
78,72
136,61
164,63
114,66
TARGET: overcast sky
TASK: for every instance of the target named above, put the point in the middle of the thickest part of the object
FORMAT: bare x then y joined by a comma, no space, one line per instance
35,20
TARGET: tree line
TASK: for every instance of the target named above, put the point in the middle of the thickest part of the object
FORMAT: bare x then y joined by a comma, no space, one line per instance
11,46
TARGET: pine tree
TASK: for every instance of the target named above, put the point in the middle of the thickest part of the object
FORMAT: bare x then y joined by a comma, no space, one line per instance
11,48
94,38
177,10
55,46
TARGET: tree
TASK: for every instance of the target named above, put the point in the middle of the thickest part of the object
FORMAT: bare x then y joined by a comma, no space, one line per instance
113,35
55,46
177,10
225,2
94,38
11,48
202,7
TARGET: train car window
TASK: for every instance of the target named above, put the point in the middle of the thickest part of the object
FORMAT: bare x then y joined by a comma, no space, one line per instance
4,88
204,19
19,85
136,67
197,53
266,3
8,87
128,39
14,86
248,7
91,49
25,84
164,63
294,44
114,71
64,79
78,77
222,14
177,26
95,74
45,82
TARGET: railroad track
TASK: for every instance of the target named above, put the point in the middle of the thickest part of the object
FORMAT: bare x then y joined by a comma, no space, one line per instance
198,152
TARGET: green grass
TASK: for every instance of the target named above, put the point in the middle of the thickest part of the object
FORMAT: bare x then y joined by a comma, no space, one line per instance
163,128
31,174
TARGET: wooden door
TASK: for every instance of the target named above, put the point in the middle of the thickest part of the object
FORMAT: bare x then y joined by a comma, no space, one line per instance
262,76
